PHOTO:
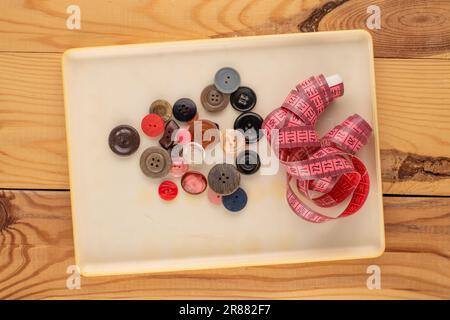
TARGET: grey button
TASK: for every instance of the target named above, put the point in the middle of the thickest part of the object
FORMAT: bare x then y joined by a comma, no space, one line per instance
224,178
155,162
227,80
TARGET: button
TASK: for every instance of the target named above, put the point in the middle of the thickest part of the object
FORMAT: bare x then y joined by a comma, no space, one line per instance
214,198
183,136
243,99
152,125
233,142
203,126
193,182
224,178
179,167
236,201
248,162
162,108
184,109
155,162
250,123
168,190
213,100
227,80
166,140
124,140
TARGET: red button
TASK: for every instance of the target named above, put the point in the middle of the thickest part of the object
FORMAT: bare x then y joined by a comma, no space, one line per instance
168,190
193,182
179,167
214,198
152,125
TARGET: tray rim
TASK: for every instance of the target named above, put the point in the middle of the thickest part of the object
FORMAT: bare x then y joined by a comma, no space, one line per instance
67,54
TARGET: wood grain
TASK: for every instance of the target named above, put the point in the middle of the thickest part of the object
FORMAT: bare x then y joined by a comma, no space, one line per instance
414,118
409,28
36,250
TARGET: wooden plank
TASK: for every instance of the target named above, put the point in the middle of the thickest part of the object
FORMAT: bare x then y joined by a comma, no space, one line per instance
36,250
413,96
409,28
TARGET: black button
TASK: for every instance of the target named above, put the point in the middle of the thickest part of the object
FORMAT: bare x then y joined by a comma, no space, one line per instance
124,140
243,99
250,123
184,109
247,162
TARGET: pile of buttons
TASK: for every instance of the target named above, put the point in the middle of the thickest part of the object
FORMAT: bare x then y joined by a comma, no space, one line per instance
164,121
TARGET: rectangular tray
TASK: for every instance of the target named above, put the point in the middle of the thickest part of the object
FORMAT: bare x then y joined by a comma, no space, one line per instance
122,226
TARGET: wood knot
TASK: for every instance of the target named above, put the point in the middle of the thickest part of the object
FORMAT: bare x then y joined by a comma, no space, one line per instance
311,24
7,217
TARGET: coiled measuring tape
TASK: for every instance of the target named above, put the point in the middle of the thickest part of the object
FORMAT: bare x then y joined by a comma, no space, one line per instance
326,165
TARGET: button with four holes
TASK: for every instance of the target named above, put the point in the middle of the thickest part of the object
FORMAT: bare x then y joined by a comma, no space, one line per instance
155,162
162,108
250,124
243,99
184,109
152,125
248,162
213,100
227,80
124,140
236,201
166,140
167,190
193,182
224,178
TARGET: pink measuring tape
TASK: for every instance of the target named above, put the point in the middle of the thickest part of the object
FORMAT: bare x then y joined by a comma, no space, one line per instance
326,165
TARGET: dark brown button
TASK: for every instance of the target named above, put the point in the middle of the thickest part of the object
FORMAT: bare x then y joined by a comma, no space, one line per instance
124,140
162,108
203,126
224,178
213,100
166,140
155,162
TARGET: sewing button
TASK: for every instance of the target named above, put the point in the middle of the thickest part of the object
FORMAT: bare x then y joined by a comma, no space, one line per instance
155,162
214,198
152,125
224,178
183,136
236,201
227,80
184,110
179,167
206,138
162,108
213,100
233,142
193,182
124,140
168,190
250,123
248,162
243,99
166,140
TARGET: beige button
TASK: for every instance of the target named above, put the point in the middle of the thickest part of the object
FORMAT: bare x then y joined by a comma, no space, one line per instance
155,162
162,108
213,100
233,142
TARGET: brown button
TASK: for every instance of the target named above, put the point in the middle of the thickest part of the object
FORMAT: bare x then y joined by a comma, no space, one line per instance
224,178
203,126
124,140
162,108
166,140
155,162
213,100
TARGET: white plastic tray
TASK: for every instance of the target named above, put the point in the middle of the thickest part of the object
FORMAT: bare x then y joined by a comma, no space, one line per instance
121,225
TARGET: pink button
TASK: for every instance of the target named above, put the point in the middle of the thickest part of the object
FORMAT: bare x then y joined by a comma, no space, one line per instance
193,182
179,167
214,198
183,136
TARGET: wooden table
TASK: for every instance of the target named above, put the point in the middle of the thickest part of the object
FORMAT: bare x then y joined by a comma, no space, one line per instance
413,88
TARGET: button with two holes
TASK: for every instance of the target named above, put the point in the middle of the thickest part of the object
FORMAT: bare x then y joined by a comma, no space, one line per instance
227,80
184,109
243,99
236,201
155,162
224,178
250,124
248,162
213,100
152,125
